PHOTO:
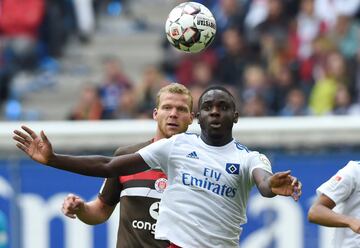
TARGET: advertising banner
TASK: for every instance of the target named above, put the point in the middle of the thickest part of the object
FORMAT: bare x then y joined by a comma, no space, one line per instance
31,197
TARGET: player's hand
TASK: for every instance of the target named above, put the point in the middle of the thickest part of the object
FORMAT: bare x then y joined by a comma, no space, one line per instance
37,147
72,205
354,224
282,183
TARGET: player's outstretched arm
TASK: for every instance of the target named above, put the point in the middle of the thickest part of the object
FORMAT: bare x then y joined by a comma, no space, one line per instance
281,183
36,147
321,213
92,213
39,149
98,211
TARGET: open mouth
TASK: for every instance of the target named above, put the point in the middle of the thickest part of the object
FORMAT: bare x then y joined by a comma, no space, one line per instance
172,125
215,125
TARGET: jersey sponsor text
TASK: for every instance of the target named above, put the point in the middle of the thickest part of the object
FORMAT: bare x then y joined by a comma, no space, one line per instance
208,184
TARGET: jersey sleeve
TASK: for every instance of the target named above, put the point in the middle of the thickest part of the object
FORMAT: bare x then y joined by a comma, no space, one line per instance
258,160
156,155
111,188
340,186
110,191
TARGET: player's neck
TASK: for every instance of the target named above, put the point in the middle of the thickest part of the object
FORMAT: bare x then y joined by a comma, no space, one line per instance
215,141
158,137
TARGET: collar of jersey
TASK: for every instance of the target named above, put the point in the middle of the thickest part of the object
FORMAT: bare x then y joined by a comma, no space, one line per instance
224,147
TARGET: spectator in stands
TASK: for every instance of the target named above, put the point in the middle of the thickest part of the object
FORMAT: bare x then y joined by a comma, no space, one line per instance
343,103
282,82
85,18
145,93
202,74
295,104
276,23
128,105
184,67
112,86
58,26
329,10
322,98
19,31
89,105
346,35
256,13
307,27
234,59
228,14
19,26
254,106
256,83
312,68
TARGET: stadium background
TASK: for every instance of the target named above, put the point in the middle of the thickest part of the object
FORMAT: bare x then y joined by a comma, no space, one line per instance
47,87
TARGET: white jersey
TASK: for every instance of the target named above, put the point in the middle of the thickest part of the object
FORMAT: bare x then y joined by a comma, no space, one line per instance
344,189
208,189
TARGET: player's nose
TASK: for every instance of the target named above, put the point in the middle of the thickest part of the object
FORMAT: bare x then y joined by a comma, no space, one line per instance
174,112
215,110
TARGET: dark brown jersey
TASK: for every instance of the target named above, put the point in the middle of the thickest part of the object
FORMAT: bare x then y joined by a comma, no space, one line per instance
139,195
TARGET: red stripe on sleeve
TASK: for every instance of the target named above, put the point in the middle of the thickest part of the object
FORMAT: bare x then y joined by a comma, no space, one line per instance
145,175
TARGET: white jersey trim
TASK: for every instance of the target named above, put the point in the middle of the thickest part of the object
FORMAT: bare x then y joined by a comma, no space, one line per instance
141,191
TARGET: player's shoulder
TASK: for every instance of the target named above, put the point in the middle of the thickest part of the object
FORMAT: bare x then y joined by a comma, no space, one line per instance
350,170
248,154
241,147
189,134
183,138
353,165
131,148
186,136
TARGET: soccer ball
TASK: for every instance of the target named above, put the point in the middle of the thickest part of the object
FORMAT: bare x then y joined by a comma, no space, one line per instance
190,27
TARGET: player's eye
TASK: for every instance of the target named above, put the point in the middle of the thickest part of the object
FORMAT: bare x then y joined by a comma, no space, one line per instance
206,108
166,107
182,109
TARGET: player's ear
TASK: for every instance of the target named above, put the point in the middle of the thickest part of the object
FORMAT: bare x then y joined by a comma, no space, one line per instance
236,117
197,115
192,116
155,112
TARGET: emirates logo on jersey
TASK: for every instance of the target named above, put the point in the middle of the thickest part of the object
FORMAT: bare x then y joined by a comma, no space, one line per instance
160,185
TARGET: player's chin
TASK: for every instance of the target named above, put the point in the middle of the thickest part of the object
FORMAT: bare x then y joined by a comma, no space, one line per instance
173,132
170,131
216,130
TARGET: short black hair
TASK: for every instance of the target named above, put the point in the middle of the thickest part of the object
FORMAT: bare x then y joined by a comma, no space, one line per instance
217,87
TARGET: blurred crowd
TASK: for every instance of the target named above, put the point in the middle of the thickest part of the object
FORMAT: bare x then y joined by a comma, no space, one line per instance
278,58
34,32
33,38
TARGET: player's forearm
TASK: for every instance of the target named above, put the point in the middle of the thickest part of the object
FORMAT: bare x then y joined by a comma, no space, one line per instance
84,165
322,215
262,181
95,212
265,189
99,166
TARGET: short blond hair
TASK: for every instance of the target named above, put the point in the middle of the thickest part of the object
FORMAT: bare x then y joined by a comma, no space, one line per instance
175,88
